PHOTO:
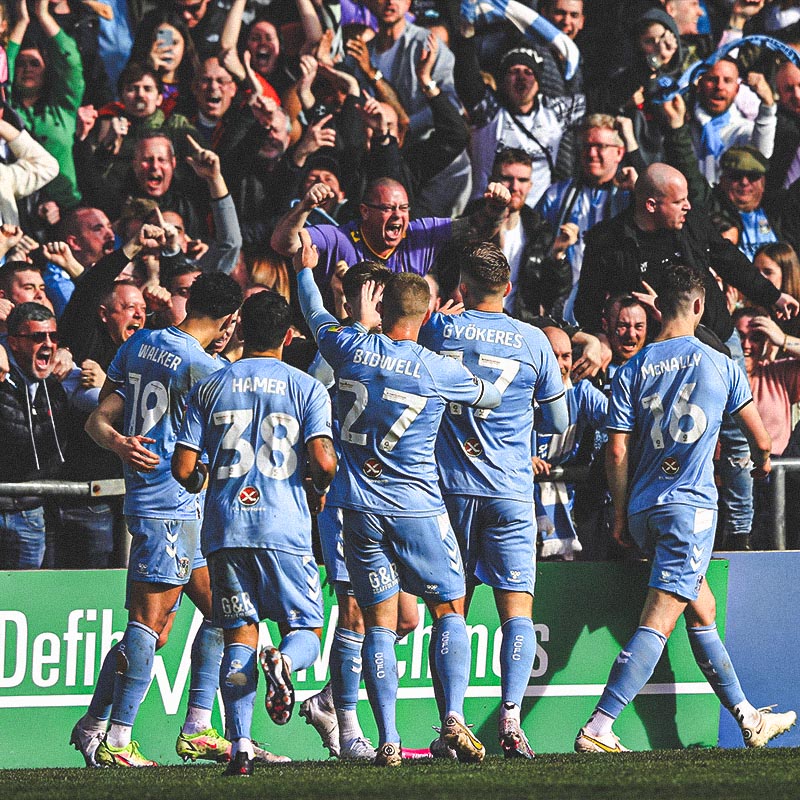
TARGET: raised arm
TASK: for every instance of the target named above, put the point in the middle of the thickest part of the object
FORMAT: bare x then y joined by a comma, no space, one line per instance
18,31
306,258
33,167
285,238
229,38
484,223
65,69
309,20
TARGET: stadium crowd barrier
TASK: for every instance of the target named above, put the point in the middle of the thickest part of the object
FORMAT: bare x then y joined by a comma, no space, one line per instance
56,626
569,474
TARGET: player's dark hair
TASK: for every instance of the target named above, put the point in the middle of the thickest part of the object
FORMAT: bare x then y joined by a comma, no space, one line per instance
215,295
405,295
484,269
360,273
265,318
10,269
27,312
680,282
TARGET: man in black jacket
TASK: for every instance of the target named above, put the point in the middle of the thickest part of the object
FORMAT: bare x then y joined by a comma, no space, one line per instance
659,230
32,409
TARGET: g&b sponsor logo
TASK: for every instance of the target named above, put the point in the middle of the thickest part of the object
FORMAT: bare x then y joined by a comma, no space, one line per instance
237,606
383,578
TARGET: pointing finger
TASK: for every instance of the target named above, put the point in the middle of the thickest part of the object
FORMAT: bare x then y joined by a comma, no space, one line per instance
193,144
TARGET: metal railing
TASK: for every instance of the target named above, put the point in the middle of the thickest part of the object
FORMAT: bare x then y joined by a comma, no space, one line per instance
780,466
113,487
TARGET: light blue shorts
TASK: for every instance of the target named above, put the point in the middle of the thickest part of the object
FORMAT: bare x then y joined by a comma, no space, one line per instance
497,539
679,539
386,553
332,544
250,584
164,550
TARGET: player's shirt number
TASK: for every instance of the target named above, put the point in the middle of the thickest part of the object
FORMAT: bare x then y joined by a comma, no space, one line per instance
149,404
412,406
508,371
682,415
279,432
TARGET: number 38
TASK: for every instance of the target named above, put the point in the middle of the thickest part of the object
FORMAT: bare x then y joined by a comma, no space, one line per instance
264,457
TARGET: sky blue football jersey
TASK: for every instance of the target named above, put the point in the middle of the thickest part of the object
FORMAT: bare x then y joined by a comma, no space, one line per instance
156,370
488,452
587,407
390,397
671,397
253,419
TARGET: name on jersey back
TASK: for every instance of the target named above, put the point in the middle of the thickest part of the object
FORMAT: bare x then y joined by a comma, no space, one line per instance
671,365
159,356
489,335
256,384
387,363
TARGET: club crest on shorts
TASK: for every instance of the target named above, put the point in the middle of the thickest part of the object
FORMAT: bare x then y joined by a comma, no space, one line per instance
183,568
249,496
372,468
670,466
472,447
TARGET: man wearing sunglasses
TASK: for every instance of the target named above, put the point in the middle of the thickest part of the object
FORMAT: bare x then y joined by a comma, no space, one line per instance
737,198
32,412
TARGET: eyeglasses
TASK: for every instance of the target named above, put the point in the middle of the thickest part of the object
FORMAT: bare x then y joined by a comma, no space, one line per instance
206,82
739,174
191,8
587,147
387,209
39,337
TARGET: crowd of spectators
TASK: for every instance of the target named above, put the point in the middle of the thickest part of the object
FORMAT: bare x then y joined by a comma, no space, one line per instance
143,143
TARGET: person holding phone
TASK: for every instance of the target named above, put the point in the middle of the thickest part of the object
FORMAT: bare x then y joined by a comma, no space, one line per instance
163,41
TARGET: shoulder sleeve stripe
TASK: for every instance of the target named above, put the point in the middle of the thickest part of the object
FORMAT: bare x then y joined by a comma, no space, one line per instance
188,446
743,405
550,399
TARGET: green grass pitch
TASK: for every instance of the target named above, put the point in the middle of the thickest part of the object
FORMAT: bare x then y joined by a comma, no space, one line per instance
695,774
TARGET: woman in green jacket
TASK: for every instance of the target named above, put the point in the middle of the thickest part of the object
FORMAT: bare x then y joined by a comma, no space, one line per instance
47,87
